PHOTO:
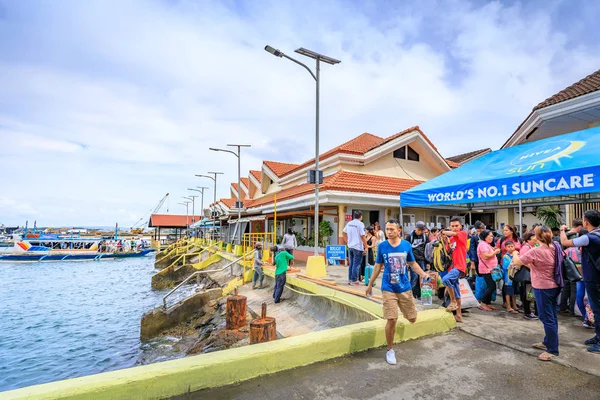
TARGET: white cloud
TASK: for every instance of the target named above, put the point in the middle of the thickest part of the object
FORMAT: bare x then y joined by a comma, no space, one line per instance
109,105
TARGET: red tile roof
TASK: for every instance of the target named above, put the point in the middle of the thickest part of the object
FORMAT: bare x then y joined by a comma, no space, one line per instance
245,182
347,182
230,203
234,186
409,130
361,145
589,84
279,168
452,164
256,174
170,220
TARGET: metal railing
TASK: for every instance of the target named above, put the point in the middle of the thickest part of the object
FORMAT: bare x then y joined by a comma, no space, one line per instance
266,238
184,255
198,273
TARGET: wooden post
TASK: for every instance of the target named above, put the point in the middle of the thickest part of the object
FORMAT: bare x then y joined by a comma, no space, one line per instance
263,329
236,311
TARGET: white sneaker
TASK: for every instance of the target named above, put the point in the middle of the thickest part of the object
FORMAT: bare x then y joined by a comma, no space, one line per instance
390,357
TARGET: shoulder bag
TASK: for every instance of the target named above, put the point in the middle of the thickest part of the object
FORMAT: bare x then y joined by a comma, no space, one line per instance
570,271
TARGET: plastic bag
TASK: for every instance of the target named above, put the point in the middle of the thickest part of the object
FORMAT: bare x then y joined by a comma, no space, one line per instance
467,297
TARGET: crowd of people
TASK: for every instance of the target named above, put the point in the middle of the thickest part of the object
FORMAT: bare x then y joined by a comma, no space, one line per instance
528,272
531,269
121,245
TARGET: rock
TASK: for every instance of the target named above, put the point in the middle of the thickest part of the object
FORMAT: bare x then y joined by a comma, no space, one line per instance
244,329
212,303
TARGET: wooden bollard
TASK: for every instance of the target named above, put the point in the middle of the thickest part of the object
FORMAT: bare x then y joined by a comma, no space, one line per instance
263,329
235,317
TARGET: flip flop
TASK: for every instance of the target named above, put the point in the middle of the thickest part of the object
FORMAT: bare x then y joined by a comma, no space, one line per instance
539,346
452,307
545,356
483,309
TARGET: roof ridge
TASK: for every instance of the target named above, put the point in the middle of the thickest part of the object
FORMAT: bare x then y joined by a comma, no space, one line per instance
278,162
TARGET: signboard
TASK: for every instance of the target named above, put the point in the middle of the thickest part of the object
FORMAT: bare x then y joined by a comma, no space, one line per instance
348,217
558,166
335,254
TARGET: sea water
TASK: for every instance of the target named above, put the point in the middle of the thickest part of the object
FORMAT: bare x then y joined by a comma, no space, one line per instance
62,320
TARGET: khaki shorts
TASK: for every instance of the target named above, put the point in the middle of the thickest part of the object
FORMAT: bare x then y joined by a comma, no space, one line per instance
391,302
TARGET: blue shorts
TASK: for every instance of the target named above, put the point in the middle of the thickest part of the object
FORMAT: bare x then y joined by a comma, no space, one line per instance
509,290
450,280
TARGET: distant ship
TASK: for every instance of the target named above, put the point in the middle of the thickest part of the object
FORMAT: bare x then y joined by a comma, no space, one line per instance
55,248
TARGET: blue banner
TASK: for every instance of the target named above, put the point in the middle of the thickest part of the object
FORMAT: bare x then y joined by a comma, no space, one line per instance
558,166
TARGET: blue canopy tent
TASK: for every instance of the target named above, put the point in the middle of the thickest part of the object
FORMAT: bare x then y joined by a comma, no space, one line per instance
558,170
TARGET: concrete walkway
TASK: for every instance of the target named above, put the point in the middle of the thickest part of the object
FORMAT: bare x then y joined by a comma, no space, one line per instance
451,366
513,331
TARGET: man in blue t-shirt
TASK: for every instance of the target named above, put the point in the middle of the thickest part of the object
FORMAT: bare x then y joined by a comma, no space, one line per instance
395,255
590,259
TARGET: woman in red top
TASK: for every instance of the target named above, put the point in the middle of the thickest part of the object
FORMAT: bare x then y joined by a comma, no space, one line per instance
540,261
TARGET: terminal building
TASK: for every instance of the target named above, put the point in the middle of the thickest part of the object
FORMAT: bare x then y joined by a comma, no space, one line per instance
369,172
366,173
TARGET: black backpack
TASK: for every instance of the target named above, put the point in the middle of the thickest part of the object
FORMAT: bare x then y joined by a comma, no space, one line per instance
418,251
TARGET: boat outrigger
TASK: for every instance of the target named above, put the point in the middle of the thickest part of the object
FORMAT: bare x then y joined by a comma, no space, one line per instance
55,248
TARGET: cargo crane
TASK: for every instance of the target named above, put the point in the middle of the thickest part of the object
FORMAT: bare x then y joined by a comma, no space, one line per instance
138,227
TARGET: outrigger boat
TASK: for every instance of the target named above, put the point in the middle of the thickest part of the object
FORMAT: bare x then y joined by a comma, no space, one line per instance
55,248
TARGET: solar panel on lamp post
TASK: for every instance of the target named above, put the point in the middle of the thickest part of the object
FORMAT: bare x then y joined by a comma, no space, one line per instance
316,76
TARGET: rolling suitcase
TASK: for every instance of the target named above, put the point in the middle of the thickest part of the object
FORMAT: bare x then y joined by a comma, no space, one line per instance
368,272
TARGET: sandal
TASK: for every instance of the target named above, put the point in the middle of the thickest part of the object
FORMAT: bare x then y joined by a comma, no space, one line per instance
513,312
545,356
452,307
539,346
483,309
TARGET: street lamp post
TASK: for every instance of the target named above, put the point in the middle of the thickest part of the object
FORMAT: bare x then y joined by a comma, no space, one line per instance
316,174
239,202
186,204
201,204
193,199
214,178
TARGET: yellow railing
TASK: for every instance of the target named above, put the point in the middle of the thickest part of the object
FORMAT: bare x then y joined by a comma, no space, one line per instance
250,239
186,255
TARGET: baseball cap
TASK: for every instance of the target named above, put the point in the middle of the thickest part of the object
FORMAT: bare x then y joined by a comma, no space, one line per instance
420,225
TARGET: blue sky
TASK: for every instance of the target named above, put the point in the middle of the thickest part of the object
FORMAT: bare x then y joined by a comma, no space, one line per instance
107,105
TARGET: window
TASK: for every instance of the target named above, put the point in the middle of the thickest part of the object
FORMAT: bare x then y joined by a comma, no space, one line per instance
400,153
412,155
406,153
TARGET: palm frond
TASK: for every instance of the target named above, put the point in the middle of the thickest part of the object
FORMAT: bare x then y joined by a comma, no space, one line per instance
550,216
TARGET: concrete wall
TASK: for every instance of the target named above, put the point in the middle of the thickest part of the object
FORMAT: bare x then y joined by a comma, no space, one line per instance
157,320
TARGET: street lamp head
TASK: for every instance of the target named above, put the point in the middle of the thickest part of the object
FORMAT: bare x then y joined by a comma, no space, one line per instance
213,149
273,51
